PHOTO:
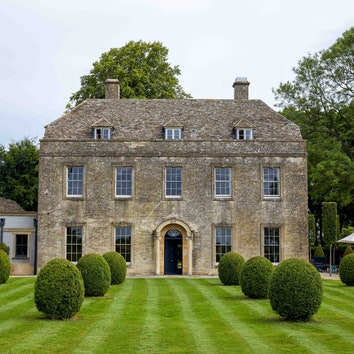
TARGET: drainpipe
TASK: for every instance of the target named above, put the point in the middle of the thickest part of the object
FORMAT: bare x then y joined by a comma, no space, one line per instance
2,224
35,246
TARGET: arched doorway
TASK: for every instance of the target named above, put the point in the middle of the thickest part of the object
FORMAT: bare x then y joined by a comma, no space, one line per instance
173,259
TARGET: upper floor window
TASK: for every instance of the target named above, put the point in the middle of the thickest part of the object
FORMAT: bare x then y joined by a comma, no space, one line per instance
173,133
73,243
271,182
102,133
123,241
223,242
124,181
173,182
222,182
75,181
244,134
272,244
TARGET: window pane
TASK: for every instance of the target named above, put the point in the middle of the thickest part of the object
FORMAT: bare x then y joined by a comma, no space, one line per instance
271,181
173,181
222,242
123,242
21,246
75,181
73,243
124,177
173,133
272,244
223,181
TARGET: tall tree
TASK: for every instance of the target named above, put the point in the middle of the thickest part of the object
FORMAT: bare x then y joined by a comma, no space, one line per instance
19,173
142,69
320,100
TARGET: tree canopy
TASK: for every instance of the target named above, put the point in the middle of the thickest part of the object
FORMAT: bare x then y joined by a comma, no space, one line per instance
320,100
142,69
19,173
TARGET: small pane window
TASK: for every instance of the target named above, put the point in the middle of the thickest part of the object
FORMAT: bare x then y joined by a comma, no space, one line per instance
271,182
123,242
124,178
222,242
73,243
244,134
173,177
21,246
222,182
102,133
272,244
75,181
173,133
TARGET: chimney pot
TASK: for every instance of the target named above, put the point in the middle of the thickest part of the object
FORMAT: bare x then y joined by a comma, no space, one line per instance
241,88
112,89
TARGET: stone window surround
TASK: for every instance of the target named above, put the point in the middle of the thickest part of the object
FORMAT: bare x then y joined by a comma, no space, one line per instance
122,196
214,227
15,232
222,196
271,197
182,183
83,237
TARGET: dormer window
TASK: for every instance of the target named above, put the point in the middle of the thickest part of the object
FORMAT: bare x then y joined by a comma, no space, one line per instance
102,133
244,130
173,133
244,134
102,129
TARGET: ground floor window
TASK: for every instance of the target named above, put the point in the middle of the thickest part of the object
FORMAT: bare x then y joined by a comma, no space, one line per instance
73,243
21,248
272,244
123,242
222,242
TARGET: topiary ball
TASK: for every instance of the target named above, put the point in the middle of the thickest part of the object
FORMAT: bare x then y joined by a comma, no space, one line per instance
255,277
96,274
4,247
295,289
346,269
59,289
230,268
5,267
117,265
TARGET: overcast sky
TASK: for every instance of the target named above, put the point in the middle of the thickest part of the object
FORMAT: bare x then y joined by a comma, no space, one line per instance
47,45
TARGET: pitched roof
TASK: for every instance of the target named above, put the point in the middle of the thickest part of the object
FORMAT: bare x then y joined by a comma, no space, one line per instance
144,119
9,206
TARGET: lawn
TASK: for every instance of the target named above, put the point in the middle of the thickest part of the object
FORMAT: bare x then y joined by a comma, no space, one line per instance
174,315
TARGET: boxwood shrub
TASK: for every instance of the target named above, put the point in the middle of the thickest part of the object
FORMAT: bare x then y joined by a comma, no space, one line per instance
5,267
59,289
348,250
255,277
4,247
295,289
96,274
117,265
230,268
346,269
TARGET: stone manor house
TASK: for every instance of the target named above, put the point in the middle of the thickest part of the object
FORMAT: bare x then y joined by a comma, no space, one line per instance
172,184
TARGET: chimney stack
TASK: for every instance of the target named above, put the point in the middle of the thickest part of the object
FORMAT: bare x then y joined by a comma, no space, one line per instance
112,89
241,88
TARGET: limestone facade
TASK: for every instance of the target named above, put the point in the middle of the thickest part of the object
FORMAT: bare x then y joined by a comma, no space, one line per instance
184,225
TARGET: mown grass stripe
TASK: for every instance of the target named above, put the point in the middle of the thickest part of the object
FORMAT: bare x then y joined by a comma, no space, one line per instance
243,330
201,336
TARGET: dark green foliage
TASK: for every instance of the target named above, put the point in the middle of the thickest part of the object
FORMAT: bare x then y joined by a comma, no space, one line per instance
312,229
347,251
346,270
96,274
295,289
319,251
59,289
230,268
117,265
5,267
329,222
4,247
255,277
